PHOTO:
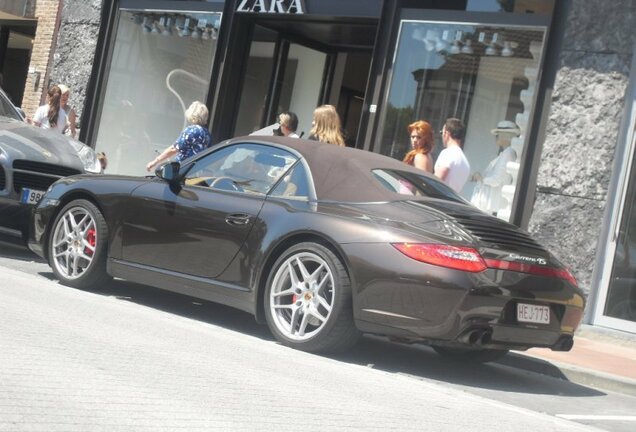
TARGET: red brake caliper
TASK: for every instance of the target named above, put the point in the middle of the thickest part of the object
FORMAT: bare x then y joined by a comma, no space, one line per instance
90,238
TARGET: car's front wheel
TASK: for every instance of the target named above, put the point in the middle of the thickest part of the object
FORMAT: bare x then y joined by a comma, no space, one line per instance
308,302
77,245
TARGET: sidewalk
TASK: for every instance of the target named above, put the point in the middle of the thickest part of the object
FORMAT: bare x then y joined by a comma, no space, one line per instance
600,358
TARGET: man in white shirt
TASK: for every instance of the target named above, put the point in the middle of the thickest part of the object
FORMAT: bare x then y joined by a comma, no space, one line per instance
451,166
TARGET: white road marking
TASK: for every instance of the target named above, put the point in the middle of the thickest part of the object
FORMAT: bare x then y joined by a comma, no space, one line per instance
597,417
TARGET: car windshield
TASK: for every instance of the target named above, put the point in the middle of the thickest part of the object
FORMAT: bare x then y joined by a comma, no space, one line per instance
245,167
6,108
411,184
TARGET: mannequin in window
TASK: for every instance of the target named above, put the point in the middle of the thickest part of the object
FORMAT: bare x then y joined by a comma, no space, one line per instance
487,191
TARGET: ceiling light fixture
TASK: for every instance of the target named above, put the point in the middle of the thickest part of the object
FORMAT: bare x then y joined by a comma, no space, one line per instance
186,28
167,26
468,47
454,49
507,50
147,24
492,49
441,43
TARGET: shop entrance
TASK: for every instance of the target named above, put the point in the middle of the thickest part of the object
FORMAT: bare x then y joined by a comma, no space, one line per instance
296,65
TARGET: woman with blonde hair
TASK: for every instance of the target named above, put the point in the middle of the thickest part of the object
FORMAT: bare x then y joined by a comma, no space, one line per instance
422,141
193,139
325,126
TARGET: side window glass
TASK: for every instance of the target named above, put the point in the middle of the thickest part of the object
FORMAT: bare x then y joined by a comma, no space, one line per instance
249,168
407,183
6,108
294,184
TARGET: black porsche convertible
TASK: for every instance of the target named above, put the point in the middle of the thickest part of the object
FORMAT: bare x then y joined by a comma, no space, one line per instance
321,242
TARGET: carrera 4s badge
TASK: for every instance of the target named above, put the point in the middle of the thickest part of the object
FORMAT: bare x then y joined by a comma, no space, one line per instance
527,259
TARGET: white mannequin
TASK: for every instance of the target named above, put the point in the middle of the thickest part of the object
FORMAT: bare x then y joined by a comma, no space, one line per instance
487,192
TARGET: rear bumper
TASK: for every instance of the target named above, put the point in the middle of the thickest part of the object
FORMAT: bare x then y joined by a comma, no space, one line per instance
442,306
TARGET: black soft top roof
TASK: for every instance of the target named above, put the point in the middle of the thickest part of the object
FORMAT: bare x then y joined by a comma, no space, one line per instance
341,173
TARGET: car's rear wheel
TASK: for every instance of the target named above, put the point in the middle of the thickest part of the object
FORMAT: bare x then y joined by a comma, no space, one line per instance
308,302
77,245
470,355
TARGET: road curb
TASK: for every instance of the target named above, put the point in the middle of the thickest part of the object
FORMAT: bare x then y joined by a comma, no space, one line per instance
567,372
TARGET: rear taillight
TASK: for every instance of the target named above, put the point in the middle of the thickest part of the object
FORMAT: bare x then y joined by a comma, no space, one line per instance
455,257
469,259
534,269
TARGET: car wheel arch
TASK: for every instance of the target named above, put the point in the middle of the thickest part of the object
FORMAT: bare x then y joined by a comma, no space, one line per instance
279,249
65,199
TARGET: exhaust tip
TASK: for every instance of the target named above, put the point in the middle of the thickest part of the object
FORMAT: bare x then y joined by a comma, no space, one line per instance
565,343
476,336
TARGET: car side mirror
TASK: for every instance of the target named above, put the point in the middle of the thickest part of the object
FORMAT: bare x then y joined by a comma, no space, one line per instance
21,112
169,172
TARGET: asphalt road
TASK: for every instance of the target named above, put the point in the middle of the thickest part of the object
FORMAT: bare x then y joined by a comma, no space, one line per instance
130,357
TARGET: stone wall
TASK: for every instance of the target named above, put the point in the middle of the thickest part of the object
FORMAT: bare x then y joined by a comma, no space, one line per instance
76,42
582,130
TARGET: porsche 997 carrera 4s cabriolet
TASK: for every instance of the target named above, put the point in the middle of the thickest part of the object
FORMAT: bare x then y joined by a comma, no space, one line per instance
322,243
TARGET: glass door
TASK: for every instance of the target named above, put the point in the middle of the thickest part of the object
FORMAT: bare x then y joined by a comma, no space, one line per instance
621,294
279,76
612,299
615,302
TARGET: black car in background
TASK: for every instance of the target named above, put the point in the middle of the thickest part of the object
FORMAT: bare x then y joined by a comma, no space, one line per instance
321,242
31,159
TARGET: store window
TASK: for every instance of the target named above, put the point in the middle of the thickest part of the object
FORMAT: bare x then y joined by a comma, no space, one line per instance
161,63
485,75
621,295
299,87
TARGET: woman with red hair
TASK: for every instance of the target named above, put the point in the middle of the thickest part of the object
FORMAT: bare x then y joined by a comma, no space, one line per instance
422,140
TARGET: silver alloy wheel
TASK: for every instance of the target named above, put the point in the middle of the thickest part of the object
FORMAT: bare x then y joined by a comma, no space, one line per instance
74,242
302,296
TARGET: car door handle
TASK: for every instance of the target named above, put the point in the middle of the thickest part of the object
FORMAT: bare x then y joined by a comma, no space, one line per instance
238,219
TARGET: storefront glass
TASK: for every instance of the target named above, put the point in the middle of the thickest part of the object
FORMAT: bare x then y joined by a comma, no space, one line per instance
621,294
481,74
161,63
299,88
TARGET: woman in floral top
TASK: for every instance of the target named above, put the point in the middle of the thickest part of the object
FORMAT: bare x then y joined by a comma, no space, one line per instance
194,138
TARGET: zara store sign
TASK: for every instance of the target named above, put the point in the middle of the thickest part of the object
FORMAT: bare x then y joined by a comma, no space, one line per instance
296,7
